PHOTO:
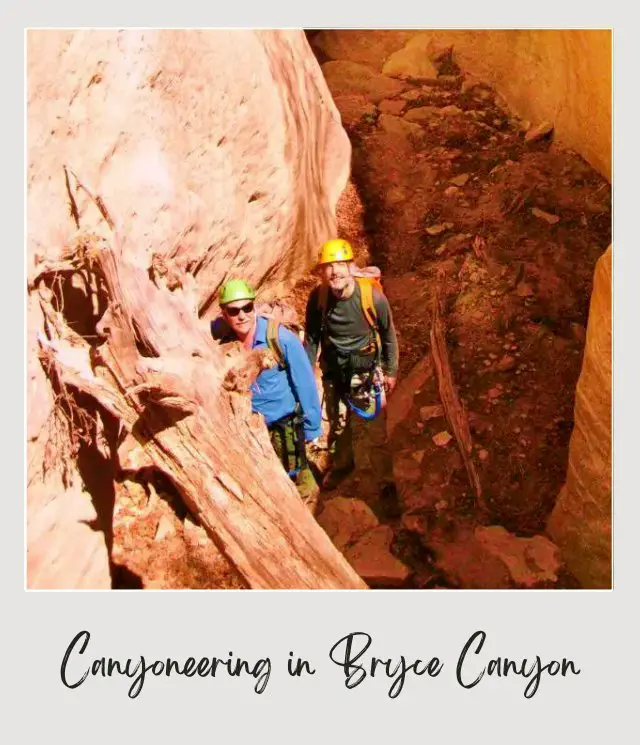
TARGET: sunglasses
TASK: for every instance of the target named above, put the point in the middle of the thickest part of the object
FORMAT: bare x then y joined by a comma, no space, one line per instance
233,312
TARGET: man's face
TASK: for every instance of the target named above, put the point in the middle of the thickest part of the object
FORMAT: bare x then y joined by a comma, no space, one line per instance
240,315
337,275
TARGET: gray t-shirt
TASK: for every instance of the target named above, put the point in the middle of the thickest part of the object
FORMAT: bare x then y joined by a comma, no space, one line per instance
346,330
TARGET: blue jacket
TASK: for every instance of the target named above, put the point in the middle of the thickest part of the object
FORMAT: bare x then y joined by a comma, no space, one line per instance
275,391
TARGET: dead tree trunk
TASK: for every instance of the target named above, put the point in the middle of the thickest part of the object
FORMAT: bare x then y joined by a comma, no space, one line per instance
184,406
453,408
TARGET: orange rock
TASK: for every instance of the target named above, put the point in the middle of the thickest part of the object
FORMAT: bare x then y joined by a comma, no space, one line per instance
221,150
442,439
392,107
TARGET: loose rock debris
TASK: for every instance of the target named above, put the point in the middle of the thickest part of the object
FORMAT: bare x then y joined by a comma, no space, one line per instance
515,223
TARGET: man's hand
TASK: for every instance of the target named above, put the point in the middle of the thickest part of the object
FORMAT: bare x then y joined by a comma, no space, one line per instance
389,384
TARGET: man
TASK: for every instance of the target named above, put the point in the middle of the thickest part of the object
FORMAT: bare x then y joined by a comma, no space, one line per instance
354,342
285,395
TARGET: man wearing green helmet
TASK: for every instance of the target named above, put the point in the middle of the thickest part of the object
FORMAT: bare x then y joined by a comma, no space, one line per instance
285,395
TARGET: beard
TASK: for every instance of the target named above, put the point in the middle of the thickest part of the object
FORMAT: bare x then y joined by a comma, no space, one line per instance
339,285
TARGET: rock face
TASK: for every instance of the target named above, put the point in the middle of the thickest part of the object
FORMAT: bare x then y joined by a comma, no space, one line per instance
219,151
521,64
581,520
64,551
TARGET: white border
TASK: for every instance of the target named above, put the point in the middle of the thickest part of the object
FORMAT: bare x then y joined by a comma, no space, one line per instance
594,628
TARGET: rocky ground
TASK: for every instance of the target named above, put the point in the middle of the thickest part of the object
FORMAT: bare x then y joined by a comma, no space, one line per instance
452,192
449,191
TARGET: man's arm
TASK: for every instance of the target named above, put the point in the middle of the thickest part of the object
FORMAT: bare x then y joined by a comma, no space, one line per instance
303,383
387,333
313,327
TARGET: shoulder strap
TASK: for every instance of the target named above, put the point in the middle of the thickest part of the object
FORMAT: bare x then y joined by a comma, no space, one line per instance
369,309
323,299
366,299
273,342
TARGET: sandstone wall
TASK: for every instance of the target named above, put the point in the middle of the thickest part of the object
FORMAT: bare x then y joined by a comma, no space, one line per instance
560,75
222,151
581,520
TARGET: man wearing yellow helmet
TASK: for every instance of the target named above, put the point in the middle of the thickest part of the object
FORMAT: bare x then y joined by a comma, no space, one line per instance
350,320
286,395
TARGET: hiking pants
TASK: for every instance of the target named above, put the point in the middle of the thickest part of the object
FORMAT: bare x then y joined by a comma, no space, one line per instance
283,441
354,441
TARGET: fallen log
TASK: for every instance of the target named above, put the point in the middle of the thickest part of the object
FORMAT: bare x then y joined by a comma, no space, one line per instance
453,408
185,402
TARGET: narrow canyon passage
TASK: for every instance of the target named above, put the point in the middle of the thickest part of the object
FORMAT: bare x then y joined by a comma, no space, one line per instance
384,138
452,193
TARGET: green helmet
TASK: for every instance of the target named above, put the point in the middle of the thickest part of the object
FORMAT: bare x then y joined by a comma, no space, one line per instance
235,289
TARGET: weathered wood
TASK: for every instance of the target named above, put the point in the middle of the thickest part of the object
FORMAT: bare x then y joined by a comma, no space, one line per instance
185,402
453,408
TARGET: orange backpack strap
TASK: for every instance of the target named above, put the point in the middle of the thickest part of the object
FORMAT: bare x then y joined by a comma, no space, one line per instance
366,298
368,307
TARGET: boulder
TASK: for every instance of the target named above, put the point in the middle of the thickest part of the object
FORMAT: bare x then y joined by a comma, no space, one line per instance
411,61
390,106
346,520
209,146
353,107
467,564
373,560
530,561
395,125
538,132
370,48
421,113
349,78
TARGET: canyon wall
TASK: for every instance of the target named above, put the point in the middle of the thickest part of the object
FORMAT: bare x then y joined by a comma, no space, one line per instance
220,153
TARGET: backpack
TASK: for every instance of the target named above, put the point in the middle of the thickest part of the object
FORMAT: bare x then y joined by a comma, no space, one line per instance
278,314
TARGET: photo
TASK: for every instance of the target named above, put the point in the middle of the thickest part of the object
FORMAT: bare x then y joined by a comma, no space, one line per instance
318,309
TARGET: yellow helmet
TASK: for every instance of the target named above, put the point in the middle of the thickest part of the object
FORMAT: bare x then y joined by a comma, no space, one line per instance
336,250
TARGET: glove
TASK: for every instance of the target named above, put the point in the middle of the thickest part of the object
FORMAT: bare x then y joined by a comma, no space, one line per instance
314,445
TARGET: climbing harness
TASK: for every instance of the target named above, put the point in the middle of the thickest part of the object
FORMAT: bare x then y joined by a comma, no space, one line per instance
364,380
293,422
366,395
